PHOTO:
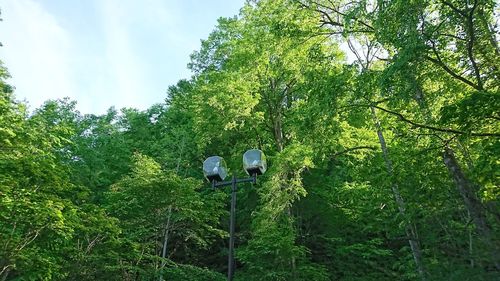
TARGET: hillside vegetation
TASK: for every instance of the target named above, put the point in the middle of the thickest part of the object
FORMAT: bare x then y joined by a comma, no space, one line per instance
380,120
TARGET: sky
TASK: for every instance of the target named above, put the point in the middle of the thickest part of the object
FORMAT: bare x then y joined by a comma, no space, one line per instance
103,53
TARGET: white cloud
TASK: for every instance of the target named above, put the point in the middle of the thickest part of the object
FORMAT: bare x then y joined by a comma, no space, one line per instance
125,68
102,52
36,51
129,75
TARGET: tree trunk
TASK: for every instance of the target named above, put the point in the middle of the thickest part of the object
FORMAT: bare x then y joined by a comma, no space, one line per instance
449,156
179,159
474,206
165,240
490,30
410,230
471,248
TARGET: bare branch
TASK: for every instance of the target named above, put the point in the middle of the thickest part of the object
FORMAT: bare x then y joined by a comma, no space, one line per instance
4,269
355,52
445,130
441,64
451,36
336,10
470,45
455,9
345,151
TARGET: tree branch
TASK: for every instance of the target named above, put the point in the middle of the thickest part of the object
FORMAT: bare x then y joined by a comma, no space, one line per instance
337,11
455,9
345,151
404,119
470,45
437,61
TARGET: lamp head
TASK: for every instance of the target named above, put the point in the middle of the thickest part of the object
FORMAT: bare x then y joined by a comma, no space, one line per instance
254,162
214,168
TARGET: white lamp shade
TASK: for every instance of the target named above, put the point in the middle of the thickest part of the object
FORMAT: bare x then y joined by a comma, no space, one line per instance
254,162
214,168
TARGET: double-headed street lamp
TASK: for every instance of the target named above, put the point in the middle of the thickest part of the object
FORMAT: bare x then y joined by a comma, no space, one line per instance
215,170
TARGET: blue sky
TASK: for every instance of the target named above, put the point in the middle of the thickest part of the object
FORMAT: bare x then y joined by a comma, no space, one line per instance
102,53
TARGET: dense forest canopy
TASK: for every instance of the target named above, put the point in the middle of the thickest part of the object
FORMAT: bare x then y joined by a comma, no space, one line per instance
381,167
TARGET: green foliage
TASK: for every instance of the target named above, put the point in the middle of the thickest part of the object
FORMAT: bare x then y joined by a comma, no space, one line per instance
149,203
191,273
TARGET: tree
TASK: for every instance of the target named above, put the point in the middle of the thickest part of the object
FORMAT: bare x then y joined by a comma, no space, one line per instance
163,215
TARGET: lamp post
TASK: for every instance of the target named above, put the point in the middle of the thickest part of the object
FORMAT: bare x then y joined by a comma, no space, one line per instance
215,170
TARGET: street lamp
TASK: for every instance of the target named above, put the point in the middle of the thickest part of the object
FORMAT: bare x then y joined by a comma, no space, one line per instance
215,170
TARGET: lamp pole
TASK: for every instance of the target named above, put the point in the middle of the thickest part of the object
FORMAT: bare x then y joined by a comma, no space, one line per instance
230,259
233,182
215,170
